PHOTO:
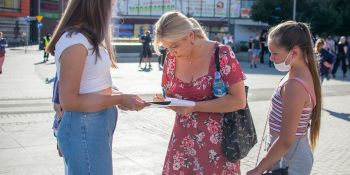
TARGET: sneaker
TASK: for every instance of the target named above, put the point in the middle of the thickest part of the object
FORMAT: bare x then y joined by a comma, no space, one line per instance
255,66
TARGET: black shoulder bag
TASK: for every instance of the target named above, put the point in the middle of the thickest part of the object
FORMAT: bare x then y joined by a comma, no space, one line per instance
238,129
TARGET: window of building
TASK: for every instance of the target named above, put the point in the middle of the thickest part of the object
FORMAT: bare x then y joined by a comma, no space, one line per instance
10,5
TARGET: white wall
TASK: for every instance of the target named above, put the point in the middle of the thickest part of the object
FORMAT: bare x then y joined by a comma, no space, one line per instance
243,32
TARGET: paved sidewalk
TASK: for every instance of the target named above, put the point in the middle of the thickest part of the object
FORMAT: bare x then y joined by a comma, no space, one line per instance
140,142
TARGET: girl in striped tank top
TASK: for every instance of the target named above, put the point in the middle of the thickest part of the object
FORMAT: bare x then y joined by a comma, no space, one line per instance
294,116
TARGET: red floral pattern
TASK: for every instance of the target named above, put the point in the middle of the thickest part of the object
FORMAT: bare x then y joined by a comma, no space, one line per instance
195,144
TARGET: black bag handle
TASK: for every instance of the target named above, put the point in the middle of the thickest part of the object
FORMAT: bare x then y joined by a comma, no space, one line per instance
217,65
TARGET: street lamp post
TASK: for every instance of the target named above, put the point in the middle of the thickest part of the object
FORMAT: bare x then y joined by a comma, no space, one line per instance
294,8
39,5
229,17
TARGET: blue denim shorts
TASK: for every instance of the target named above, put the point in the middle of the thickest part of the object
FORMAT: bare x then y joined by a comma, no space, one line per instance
85,139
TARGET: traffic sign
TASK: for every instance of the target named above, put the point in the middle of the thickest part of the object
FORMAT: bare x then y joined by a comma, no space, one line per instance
39,18
39,25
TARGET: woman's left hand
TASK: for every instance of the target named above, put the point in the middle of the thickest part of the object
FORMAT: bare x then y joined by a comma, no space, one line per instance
182,110
253,172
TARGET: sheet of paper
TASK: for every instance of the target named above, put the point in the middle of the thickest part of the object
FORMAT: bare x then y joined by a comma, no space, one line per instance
172,102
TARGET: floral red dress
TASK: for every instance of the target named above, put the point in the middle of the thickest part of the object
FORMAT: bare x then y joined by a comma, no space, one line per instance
195,144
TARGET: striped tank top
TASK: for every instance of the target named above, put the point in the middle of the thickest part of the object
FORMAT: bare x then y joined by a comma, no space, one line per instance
275,114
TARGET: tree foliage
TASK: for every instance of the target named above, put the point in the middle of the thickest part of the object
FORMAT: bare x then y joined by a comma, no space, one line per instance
324,16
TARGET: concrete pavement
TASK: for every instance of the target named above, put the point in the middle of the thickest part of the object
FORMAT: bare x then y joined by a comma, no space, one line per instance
140,142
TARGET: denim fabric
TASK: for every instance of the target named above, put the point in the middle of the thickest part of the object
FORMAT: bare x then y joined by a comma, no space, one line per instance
85,139
299,157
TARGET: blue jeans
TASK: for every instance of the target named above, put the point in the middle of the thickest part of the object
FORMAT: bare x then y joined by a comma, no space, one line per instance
85,139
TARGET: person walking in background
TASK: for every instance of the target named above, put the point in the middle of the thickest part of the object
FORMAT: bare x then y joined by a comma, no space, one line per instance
296,103
342,49
161,58
83,57
189,73
46,40
3,45
256,52
250,49
326,59
262,40
330,44
146,49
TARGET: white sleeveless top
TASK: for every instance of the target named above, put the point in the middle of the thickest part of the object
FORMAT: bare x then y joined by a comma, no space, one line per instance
96,74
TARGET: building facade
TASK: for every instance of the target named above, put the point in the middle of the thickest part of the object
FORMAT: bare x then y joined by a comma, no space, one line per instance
133,18
12,23
18,22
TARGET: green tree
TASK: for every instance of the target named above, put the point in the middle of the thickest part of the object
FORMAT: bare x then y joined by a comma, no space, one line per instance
272,11
324,16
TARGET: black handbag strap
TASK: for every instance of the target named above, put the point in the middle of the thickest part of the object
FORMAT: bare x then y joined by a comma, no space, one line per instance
217,63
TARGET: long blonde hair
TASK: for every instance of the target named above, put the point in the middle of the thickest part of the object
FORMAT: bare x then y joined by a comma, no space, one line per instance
318,42
287,35
92,19
174,26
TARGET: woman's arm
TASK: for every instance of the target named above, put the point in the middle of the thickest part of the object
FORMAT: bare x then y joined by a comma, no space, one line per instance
233,101
72,64
294,97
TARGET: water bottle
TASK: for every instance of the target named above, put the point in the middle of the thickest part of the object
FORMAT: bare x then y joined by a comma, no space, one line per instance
219,86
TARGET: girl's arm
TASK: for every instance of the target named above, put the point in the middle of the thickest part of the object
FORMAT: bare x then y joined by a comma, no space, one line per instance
72,64
294,97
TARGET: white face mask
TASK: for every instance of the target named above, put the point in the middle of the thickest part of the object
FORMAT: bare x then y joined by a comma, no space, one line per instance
283,67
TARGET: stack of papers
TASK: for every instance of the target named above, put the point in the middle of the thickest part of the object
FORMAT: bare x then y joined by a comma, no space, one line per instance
172,102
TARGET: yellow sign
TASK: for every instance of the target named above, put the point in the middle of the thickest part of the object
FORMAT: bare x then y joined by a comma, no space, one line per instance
39,18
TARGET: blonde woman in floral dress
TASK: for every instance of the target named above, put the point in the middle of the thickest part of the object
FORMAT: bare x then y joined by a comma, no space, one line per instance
195,143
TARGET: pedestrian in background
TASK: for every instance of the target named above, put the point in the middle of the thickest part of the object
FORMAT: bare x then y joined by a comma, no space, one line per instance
46,40
256,52
163,51
325,58
296,103
146,49
330,44
262,40
189,69
250,49
342,49
83,54
3,45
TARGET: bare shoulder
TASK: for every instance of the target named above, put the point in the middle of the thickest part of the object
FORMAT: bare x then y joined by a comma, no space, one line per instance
294,91
74,53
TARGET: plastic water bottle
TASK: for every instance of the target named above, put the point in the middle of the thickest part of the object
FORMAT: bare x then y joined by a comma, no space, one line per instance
219,86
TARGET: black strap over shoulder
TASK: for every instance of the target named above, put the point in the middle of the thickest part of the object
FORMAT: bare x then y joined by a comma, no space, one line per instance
217,63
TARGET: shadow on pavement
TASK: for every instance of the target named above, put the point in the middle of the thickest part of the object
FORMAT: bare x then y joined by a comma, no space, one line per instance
48,81
42,62
344,116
